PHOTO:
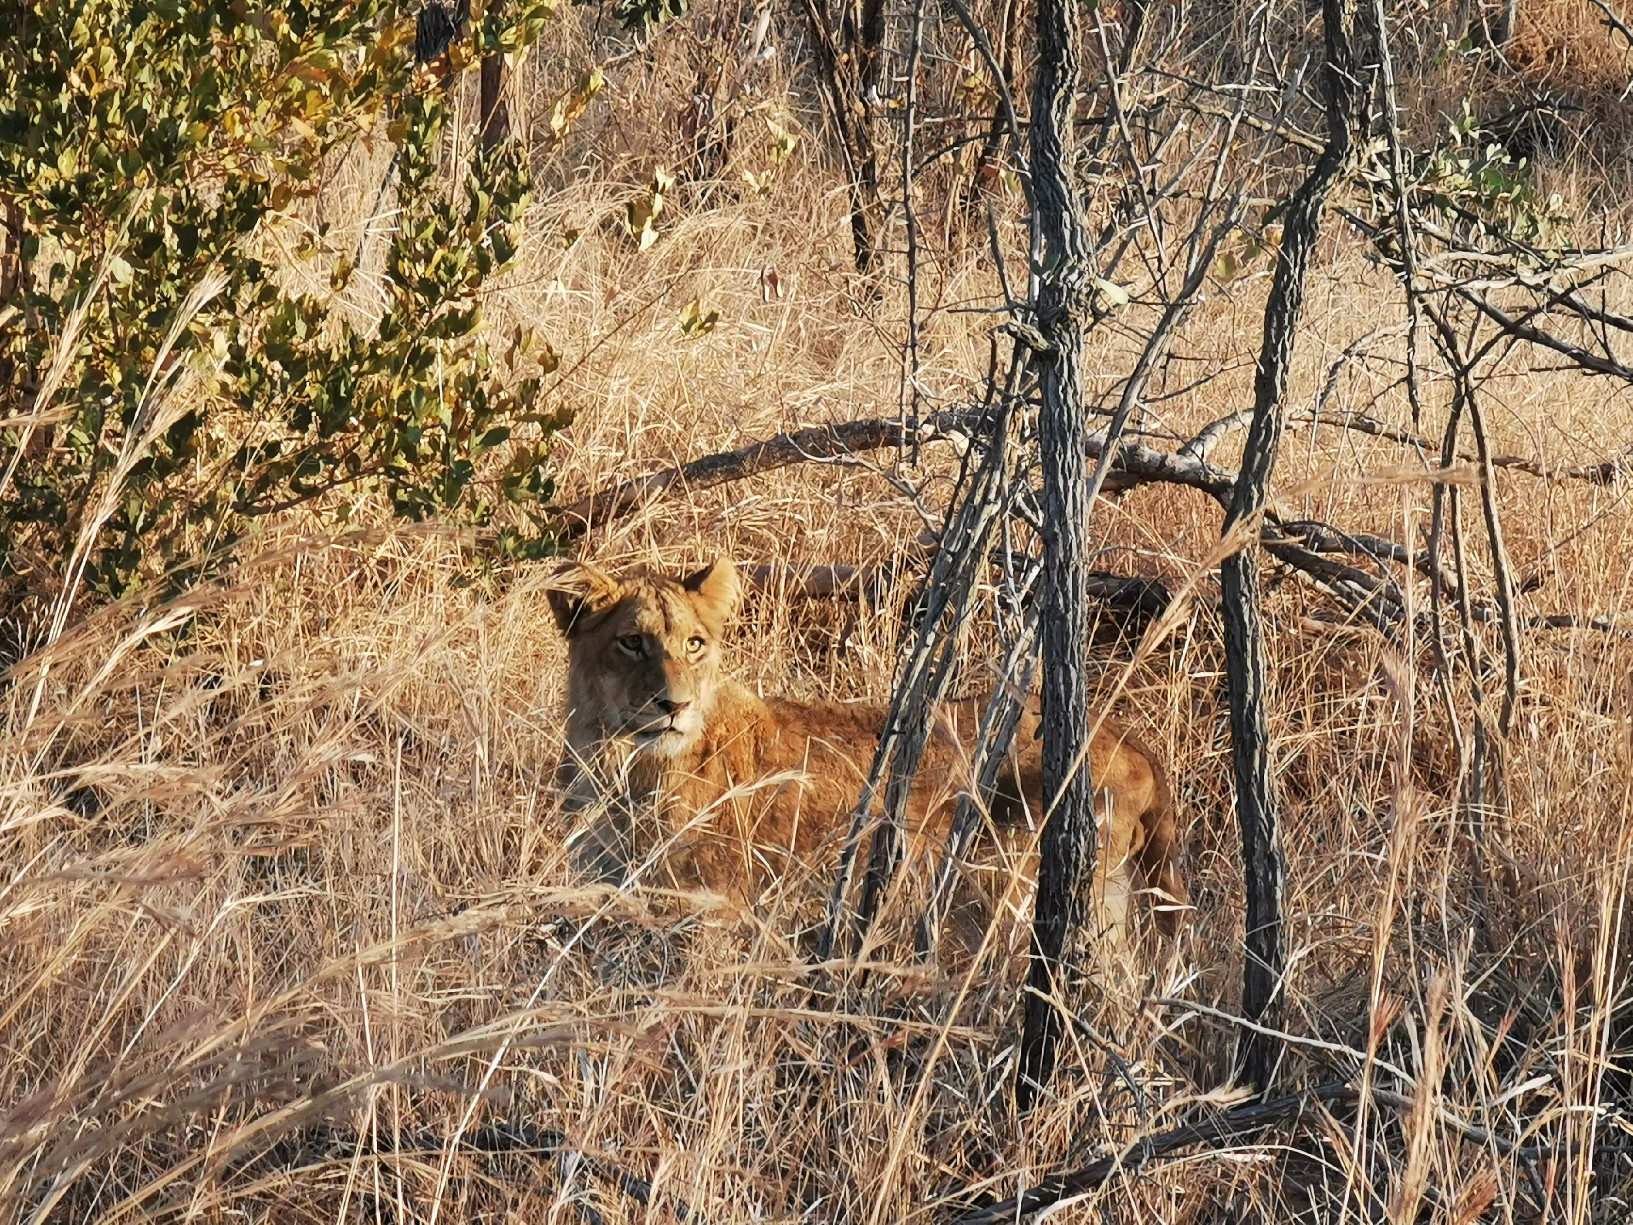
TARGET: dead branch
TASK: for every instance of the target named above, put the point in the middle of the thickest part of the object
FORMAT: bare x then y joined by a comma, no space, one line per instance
1612,22
1142,596
1004,116
1378,601
1604,472
848,51
1304,545
1221,1131
868,583
815,444
1359,592
975,512
1324,538
1219,110
1521,330
1137,464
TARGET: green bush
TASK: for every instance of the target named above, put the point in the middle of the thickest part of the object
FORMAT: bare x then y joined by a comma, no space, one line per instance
160,387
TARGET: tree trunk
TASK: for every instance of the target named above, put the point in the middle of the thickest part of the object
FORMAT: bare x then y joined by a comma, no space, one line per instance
849,62
1262,863
12,235
1068,848
495,115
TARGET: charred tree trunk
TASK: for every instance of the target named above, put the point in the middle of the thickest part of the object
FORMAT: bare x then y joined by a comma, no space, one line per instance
1068,848
1262,863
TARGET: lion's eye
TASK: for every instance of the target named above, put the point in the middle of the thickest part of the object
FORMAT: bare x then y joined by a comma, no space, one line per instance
634,644
695,645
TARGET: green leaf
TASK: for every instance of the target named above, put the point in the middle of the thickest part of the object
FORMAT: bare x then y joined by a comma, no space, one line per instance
169,134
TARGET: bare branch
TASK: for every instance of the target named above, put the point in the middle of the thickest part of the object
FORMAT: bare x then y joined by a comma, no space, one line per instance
1603,472
1532,334
1221,1131
814,445
1137,464
1218,110
1000,79
1224,1131
1305,545
1613,22
868,583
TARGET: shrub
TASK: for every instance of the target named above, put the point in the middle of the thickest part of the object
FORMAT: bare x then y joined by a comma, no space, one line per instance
159,387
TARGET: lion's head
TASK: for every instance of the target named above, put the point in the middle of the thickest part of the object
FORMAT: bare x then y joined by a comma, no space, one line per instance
643,652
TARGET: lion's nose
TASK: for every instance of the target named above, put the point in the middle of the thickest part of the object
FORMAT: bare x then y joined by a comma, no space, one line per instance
670,707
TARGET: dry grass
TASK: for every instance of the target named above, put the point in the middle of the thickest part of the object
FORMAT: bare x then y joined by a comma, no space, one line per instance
295,860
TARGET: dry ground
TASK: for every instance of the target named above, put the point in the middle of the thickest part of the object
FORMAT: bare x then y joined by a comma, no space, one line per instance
295,860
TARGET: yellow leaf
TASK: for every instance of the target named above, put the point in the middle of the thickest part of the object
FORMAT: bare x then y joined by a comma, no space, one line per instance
641,214
573,103
783,142
694,321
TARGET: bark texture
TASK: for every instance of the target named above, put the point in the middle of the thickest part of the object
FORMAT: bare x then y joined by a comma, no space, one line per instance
1263,867
1068,846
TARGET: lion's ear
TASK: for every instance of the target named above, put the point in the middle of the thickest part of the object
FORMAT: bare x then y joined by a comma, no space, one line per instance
579,593
716,592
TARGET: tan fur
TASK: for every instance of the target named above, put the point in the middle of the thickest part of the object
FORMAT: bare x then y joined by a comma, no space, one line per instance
743,789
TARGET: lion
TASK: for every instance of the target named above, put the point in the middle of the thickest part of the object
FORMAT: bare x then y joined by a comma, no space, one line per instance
743,789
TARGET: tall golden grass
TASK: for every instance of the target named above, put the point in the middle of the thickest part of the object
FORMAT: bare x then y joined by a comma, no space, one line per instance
285,911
